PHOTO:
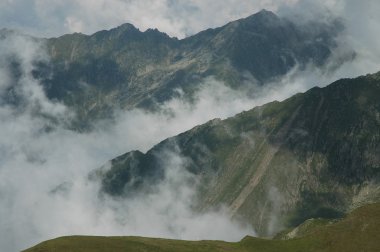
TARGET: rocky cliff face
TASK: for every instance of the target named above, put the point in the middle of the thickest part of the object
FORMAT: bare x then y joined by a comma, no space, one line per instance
127,68
313,155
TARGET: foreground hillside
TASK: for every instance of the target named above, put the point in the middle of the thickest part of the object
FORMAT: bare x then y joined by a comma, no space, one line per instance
313,155
359,231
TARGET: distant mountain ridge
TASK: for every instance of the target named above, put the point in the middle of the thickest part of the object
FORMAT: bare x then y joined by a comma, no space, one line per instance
126,68
313,155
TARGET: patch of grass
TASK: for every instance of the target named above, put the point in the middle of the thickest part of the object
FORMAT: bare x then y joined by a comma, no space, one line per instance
359,231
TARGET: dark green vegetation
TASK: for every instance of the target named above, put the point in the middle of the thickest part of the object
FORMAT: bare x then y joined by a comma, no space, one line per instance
314,155
359,231
126,68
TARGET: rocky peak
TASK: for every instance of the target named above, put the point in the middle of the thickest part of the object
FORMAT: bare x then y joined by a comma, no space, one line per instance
264,17
123,30
127,27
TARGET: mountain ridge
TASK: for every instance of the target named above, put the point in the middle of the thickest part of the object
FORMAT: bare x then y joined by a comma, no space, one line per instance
309,156
126,68
129,26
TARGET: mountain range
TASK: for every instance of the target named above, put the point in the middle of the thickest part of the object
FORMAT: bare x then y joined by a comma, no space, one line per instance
277,167
126,68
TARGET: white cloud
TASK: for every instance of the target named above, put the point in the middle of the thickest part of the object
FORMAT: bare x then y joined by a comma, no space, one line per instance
24,52
361,23
45,191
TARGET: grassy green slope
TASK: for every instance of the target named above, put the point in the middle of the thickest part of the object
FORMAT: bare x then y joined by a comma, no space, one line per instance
359,231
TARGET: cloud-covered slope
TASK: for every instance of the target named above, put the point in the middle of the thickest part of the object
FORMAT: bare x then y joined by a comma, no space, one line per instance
312,155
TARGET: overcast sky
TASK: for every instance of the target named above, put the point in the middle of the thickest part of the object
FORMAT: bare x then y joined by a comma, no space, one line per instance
178,18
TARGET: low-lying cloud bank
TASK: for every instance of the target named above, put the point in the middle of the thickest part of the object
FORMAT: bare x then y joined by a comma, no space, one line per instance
45,189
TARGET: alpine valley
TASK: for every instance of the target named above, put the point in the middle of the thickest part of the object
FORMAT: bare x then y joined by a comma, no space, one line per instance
304,172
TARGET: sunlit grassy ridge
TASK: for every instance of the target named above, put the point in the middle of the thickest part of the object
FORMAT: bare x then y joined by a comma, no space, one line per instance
359,231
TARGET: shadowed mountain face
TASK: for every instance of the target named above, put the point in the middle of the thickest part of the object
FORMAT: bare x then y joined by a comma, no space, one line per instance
313,155
126,68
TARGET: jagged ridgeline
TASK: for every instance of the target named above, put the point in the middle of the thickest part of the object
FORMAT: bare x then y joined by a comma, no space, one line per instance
126,68
316,154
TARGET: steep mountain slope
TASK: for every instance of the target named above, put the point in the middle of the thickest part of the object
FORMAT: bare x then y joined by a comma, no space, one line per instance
313,155
357,232
127,68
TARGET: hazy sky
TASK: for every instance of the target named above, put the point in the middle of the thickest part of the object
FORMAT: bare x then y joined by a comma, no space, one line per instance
177,18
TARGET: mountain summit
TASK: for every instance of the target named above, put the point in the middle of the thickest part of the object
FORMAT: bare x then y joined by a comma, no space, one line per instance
263,17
